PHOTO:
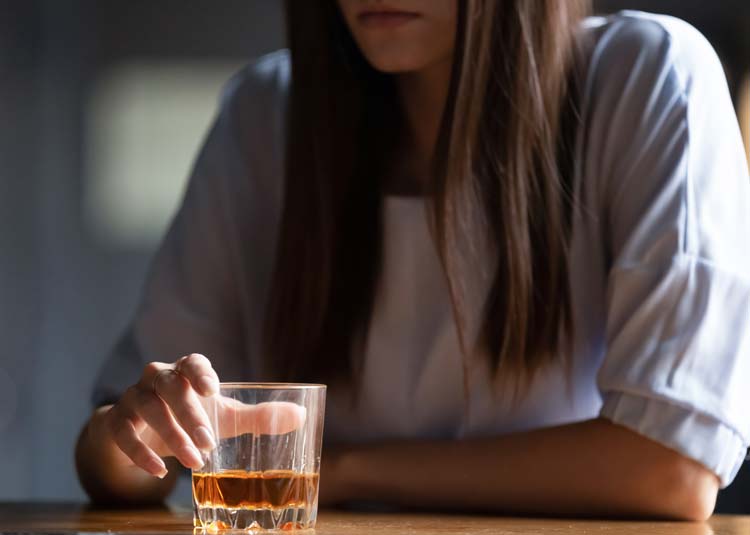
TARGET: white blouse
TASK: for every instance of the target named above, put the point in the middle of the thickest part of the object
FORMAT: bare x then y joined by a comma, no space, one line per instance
659,268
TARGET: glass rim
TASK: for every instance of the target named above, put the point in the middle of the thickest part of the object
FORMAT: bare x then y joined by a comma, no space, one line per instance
272,386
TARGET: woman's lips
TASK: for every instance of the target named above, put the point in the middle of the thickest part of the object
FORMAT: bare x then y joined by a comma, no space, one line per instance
386,19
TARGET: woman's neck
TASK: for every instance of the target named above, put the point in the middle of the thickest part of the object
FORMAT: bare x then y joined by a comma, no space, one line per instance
423,95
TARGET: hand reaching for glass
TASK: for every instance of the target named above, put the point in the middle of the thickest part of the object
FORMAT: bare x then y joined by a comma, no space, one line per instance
165,414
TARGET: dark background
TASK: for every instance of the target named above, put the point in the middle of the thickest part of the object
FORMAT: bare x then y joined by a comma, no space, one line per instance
69,280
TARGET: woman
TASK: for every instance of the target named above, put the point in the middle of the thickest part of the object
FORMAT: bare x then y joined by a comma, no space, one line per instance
510,240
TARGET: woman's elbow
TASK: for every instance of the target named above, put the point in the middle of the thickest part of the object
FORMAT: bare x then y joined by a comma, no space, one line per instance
690,491
660,481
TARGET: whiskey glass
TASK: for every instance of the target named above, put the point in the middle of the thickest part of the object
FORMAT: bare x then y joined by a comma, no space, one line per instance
265,470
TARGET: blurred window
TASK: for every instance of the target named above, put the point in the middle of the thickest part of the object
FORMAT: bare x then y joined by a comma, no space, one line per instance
145,123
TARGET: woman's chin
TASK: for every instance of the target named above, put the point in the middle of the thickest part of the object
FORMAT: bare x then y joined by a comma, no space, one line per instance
396,65
401,64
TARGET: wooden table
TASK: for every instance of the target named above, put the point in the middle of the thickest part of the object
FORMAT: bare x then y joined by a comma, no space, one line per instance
68,518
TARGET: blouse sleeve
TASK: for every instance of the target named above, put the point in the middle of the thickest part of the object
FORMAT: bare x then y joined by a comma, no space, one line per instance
192,299
674,198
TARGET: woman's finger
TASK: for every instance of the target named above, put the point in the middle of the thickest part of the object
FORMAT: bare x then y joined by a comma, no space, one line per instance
155,413
175,390
123,426
269,418
200,374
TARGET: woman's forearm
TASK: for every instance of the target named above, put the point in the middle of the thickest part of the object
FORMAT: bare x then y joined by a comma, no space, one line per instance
591,468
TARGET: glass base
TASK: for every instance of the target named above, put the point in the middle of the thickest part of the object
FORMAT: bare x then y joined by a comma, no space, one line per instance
220,519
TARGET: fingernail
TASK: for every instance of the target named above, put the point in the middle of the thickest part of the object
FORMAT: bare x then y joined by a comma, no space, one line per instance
204,438
192,457
208,385
156,468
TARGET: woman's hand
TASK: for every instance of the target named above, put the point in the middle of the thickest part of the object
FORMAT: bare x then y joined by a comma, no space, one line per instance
163,415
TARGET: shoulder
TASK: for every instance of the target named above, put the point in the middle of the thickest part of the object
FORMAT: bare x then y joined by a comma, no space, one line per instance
242,157
648,81
255,97
268,75
660,143
634,53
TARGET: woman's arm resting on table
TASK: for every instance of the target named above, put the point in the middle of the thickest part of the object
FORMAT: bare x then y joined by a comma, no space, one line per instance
592,468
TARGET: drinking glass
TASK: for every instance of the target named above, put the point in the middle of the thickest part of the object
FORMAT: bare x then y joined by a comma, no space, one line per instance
264,472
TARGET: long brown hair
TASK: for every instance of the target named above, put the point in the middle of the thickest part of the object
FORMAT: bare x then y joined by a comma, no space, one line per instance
504,179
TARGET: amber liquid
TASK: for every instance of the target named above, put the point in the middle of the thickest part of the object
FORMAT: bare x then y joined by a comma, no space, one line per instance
237,489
